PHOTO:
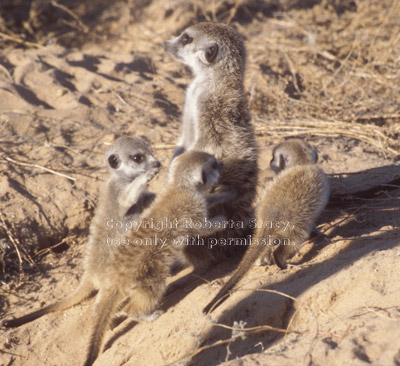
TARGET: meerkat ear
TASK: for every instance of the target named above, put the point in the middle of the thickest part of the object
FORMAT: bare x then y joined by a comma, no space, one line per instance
277,163
314,156
282,162
209,54
199,177
114,161
203,180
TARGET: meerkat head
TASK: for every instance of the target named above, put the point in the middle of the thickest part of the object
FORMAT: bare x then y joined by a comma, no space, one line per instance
290,153
209,46
129,157
195,169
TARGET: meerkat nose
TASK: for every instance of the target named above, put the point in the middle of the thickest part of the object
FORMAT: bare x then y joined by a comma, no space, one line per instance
156,164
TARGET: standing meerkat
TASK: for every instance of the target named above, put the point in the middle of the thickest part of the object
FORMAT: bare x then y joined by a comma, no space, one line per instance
216,120
136,274
287,212
133,274
131,165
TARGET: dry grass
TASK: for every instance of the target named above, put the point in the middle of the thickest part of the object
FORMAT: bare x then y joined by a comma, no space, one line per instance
341,68
373,135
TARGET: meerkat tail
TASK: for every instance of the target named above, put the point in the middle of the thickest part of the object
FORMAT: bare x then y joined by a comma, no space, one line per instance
108,302
80,294
250,257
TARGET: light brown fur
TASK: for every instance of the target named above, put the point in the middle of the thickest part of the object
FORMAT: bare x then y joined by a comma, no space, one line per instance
126,187
133,272
216,120
137,270
296,196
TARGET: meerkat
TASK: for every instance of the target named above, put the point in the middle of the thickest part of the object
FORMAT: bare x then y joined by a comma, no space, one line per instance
131,165
137,271
133,274
287,212
290,153
216,120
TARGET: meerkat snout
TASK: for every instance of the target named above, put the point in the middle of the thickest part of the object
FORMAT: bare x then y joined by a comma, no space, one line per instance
130,158
156,164
195,47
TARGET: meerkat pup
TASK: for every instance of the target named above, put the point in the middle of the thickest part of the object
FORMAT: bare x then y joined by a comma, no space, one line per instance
216,120
131,165
137,271
287,212
134,273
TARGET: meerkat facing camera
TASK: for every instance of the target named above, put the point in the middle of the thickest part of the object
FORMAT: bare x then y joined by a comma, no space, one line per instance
294,199
137,272
131,165
134,275
216,120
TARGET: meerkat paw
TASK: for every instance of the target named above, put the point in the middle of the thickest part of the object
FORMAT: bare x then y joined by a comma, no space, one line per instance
151,174
148,318
117,319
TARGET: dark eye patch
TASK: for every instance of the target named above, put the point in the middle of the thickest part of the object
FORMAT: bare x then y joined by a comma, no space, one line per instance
137,158
186,39
113,161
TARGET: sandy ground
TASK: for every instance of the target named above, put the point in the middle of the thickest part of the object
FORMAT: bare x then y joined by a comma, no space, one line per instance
321,72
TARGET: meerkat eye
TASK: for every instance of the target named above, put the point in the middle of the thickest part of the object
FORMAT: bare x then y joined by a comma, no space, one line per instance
186,39
138,158
215,165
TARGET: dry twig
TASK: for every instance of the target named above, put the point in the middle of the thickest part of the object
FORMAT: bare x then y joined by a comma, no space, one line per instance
38,166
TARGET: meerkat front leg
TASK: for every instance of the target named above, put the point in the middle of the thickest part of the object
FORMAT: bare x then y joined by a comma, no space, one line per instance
134,190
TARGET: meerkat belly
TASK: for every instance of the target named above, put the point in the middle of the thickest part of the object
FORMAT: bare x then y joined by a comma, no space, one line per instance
190,131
